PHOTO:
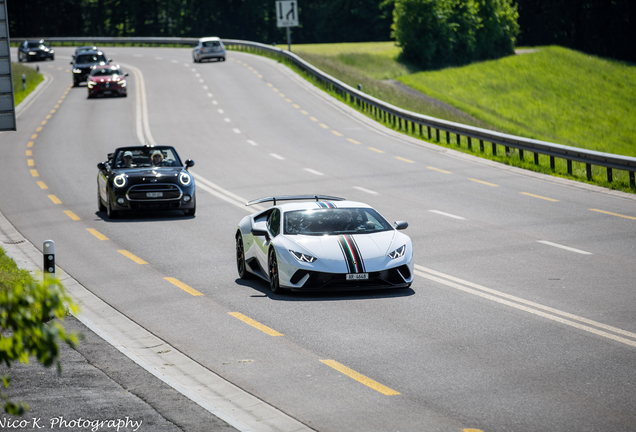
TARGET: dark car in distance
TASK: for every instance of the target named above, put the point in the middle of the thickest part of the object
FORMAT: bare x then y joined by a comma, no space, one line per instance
107,81
84,48
31,50
145,178
84,62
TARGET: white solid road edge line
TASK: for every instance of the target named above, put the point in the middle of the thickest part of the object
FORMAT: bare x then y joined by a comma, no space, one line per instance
231,404
567,248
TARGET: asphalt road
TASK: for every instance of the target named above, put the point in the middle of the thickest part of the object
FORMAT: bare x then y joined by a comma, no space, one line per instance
521,316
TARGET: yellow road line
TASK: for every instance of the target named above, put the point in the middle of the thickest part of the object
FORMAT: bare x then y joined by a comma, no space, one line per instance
296,106
352,141
183,286
42,185
43,122
304,112
55,199
613,214
29,152
360,378
30,162
39,129
324,126
376,150
313,119
255,324
539,196
35,173
288,100
30,144
97,233
132,257
72,215
404,160
440,170
336,133
34,136
483,182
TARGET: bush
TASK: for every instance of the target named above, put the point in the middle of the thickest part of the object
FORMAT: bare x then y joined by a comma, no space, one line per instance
439,33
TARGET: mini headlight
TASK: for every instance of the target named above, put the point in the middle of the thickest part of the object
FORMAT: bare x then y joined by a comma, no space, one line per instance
303,257
185,179
121,201
77,71
120,180
399,252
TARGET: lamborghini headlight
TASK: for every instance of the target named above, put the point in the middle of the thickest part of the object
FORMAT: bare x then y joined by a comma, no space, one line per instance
398,253
301,257
185,179
120,180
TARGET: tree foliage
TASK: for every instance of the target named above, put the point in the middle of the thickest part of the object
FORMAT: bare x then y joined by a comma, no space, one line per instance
437,33
28,327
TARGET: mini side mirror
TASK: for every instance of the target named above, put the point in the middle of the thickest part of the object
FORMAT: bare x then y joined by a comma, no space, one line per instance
401,225
126,74
101,166
189,163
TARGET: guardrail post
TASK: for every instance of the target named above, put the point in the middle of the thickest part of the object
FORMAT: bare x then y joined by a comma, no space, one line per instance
470,144
588,168
632,179
552,163
609,175
437,134
447,137
459,139
569,167
521,154
481,145
536,158
429,132
494,149
49,258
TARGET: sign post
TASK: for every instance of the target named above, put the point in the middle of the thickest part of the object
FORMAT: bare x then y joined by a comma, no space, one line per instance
7,102
287,16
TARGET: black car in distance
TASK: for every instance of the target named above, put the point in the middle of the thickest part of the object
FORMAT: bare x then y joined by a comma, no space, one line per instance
31,50
145,178
84,62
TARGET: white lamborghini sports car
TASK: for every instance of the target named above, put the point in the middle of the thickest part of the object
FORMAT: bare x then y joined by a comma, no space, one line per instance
321,245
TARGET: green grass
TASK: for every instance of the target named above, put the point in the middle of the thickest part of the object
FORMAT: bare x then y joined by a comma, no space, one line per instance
33,78
10,274
554,94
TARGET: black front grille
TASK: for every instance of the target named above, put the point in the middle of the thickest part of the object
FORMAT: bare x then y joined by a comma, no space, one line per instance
145,192
391,278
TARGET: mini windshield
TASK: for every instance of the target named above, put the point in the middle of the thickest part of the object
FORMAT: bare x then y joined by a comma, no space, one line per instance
334,221
91,58
105,72
211,44
143,158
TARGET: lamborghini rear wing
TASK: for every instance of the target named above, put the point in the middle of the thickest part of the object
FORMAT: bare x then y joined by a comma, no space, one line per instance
294,198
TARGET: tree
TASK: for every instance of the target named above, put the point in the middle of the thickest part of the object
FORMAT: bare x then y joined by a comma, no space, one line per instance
438,33
27,314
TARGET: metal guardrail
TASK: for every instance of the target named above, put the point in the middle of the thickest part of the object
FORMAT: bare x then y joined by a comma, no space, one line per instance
407,120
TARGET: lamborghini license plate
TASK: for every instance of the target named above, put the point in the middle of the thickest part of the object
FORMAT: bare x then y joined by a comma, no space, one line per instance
357,276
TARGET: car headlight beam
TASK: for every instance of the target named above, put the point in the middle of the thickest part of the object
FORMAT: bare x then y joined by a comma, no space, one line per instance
398,253
301,257
120,180
185,179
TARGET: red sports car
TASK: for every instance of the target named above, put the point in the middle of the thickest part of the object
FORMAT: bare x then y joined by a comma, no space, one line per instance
107,81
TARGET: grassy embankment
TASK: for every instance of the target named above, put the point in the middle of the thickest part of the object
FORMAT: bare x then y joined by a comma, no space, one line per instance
10,274
552,94
33,78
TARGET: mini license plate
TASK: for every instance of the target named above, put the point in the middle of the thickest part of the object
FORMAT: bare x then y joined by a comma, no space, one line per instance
154,194
357,276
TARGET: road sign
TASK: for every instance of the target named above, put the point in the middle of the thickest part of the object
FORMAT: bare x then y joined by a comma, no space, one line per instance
287,14
7,102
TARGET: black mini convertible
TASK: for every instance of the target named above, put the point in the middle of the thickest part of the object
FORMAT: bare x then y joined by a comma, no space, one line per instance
145,178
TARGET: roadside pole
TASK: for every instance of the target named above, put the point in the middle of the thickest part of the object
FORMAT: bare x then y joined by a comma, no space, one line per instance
287,16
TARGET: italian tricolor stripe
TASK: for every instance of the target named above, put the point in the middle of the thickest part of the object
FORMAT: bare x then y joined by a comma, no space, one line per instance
351,253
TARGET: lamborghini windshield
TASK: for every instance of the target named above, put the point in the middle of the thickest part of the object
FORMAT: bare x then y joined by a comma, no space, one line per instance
334,221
